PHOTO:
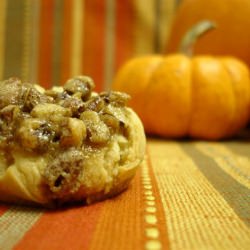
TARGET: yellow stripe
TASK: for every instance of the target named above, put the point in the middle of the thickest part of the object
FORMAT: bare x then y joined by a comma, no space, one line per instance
236,166
167,10
14,223
197,216
144,26
109,44
77,37
2,36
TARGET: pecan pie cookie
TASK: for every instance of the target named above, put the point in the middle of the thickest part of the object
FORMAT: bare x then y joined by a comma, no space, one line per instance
66,144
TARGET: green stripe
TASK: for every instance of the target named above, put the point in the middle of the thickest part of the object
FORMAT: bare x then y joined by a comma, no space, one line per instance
177,3
109,44
57,42
157,31
33,62
230,162
240,148
236,195
3,5
26,40
14,38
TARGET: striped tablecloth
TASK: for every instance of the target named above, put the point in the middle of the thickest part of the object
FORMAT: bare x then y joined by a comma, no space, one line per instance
186,195
49,41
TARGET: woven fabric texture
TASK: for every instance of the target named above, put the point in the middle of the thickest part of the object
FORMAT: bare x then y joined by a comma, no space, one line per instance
186,195
48,41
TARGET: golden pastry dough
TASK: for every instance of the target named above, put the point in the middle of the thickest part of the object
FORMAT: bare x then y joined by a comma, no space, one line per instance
66,144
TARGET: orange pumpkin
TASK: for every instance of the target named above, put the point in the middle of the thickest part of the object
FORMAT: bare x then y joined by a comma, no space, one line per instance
176,95
232,35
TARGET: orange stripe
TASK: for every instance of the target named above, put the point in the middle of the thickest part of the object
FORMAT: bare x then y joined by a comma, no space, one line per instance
124,32
65,229
119,226
45,46
66,40
93,46
3,208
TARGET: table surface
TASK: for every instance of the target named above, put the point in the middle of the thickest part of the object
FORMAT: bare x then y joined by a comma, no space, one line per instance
186,195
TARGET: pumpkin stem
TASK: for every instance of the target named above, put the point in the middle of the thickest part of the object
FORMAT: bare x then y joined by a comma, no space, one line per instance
189,39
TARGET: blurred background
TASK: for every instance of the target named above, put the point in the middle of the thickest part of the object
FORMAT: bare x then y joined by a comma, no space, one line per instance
48,41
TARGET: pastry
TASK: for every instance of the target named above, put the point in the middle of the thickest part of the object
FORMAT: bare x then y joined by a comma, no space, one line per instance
66,144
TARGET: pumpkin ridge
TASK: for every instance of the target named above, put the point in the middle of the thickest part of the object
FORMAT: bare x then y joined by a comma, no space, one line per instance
147,121
231,126
241,112
202,97
191,98
213,99
169,91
